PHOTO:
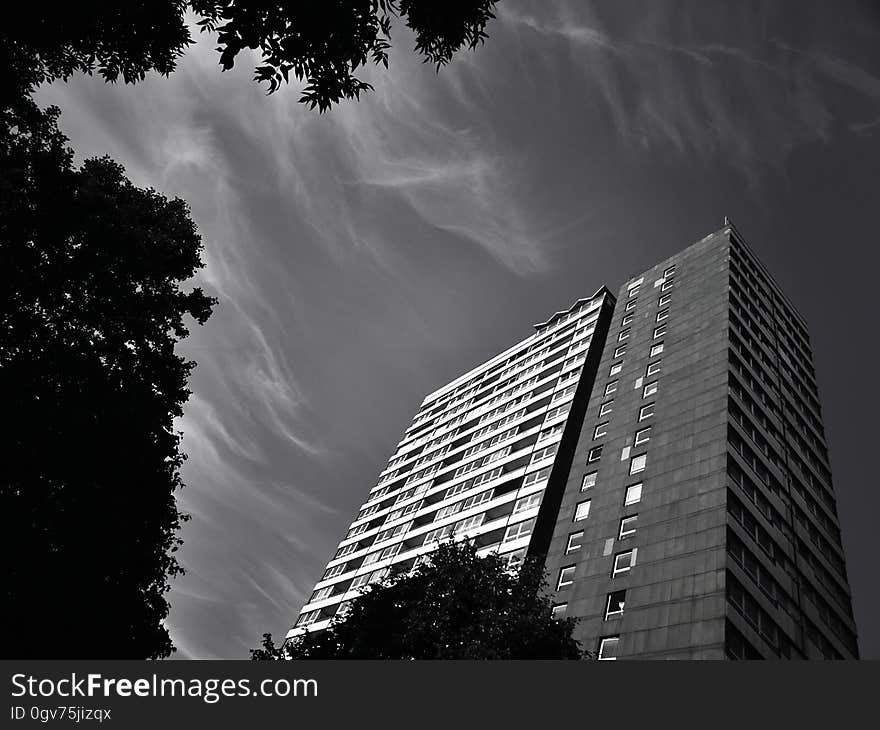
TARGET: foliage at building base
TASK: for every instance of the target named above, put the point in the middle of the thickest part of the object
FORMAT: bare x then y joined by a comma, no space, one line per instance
457,605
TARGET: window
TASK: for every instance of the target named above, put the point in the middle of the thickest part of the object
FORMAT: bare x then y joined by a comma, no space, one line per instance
669,272
659,331
524,503
623,335
614,604
322,593
582,332
600,430
608,647
392,532
646,411
642,436
627,318
550,432
558,611
536,476
560,394
656,349
633,290
667,285
582,510
664,300
359,581
469,523
357,530
662,314
403,511
621,350
521,529
566,577
575,540
638,463
308,618
606,407
478,499
367,511
594,454
653,368
346,550
457,489
334,571
588,481
649,389
611,387
616,368
568,363
628,526
556,412
633,494
544,453
441,533
631,304
623,562
444,512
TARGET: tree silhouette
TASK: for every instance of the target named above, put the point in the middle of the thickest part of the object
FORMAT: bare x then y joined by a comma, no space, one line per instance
456,606
322,43
90,310
91,304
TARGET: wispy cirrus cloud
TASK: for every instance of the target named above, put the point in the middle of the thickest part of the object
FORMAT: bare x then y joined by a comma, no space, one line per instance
657,74
286,202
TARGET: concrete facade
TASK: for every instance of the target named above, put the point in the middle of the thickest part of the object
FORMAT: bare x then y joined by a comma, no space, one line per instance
487,458
734,539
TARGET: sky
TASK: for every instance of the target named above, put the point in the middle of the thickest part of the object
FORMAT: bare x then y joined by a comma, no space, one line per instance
366,256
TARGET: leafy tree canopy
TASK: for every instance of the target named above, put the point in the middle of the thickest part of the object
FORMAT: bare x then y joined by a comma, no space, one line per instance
456,606
91,307
321,43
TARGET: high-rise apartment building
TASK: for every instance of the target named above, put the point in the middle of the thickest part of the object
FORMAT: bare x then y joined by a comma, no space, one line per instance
664,450
486,457
711,529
